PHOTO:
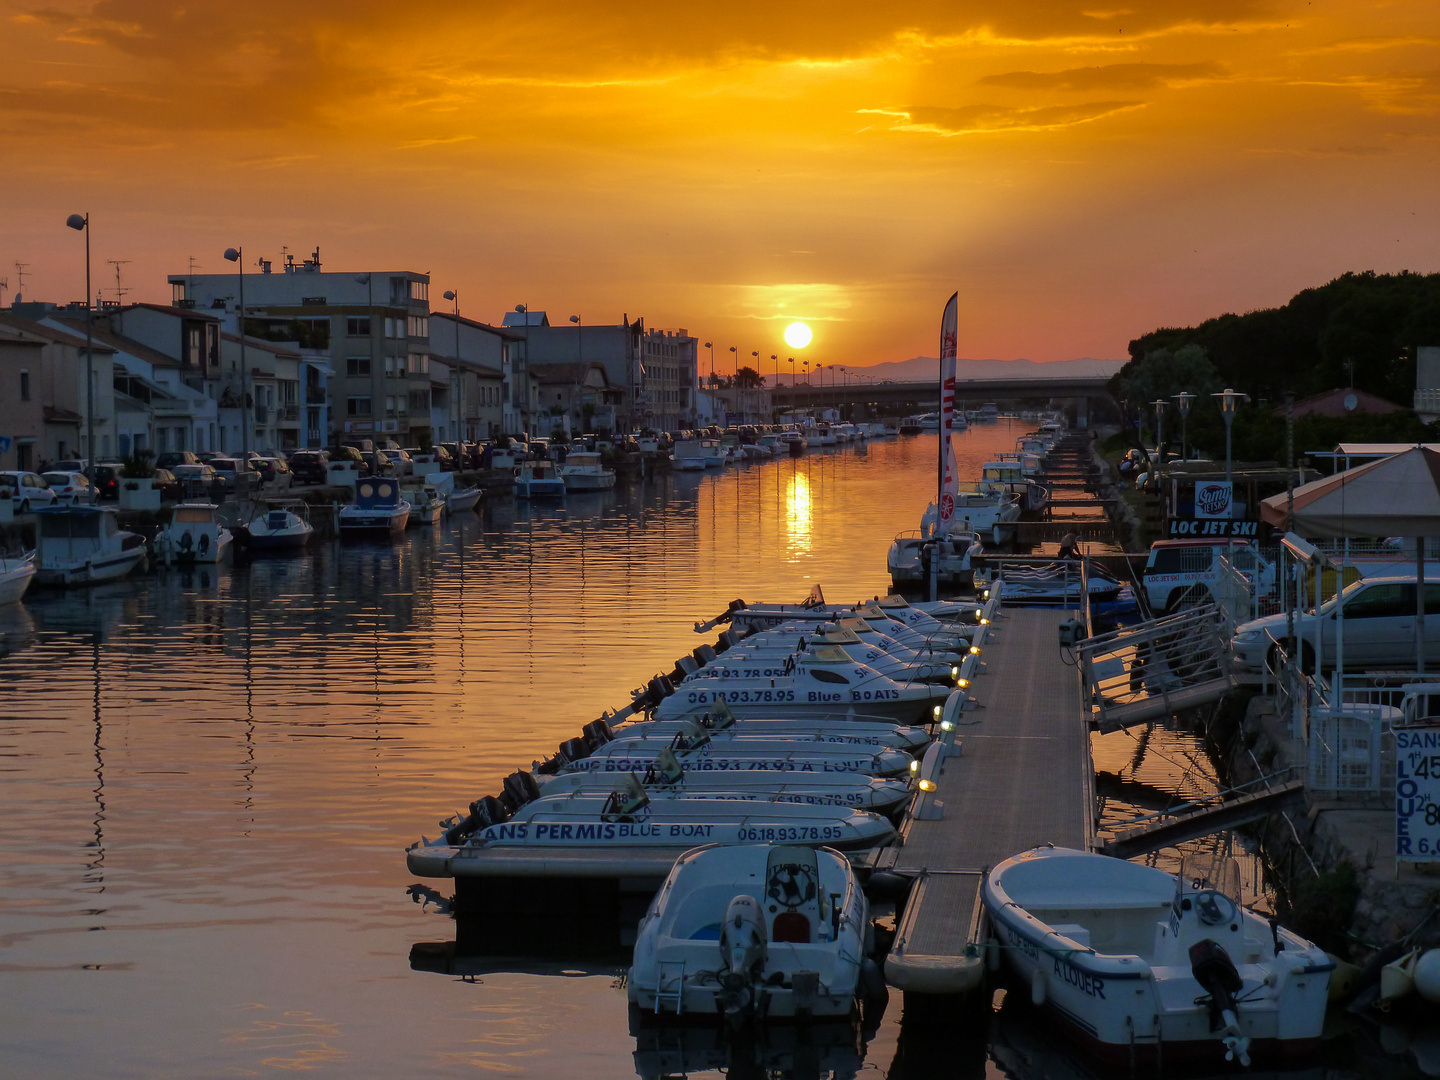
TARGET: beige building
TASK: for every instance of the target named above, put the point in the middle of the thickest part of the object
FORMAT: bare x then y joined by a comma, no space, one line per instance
22,415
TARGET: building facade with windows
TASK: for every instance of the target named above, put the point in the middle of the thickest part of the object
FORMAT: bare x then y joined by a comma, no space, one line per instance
22,414
363,340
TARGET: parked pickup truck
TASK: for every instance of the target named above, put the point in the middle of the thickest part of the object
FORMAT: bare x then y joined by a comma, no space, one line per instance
1184,573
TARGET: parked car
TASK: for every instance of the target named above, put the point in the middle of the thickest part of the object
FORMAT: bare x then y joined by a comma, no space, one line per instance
71,488
107,480
26,490
170,458
309,466
198,481
206,456
168,484
69,465
1379,628
269,468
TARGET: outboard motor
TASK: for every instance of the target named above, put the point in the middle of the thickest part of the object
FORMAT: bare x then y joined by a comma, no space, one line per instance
576,749
703,654
742,956
520,788
483,813
597,733
1216,973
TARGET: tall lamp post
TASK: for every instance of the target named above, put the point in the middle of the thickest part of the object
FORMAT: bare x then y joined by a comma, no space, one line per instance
237,256
579,353
81,222
1183,400
712,356
1229,402
456,392
1160,404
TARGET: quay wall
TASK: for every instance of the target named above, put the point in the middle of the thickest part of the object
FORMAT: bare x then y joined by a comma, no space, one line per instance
1333,865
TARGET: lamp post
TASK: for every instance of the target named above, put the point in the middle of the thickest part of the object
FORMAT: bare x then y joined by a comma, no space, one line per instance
81,222
237,256
712,357
457,389
1229,402
1183,400
579,353
1160,404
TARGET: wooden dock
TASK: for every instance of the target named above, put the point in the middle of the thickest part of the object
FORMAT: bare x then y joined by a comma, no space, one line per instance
1022,777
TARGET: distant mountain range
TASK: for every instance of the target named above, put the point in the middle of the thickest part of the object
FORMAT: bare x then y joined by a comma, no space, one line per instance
926,369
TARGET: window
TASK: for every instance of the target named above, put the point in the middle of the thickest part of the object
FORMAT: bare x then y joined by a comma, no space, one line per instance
390,365
390,407
357,406
24,384
418,326
357,325
420,290
1382,602
828,676
357,366
419,364
419,401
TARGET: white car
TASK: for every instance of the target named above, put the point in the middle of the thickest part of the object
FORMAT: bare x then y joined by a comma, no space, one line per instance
1185,573
26,490
71,488
1379,628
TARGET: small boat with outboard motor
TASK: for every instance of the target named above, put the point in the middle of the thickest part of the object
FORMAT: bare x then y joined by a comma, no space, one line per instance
627,822
722,724
279,527
948,615
538,480
194,534
771,653
824,682
462,499
378,509
427,504
1053,583
911,554
1144,965
667,778
697,752
881,634
755,932
584,470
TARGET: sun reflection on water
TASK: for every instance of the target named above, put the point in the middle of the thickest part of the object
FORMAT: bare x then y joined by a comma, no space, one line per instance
799,510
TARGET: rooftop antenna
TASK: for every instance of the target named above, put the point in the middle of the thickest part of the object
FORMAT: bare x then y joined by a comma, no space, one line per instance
20,278
4,284
193,266
119,291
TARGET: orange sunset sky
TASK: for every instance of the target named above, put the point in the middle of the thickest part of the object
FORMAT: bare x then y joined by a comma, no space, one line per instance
1081,170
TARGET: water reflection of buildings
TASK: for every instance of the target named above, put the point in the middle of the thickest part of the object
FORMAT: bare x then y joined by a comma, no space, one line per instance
828,1051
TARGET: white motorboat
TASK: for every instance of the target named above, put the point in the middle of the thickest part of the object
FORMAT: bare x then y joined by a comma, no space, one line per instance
755,932
378,509
948,620
194,534
824,682
16,573
583,471
688,456
698,753
464,499
538,480
987,413
770,443
1138,963
722,725
279,527
1055,583
427,505
771,652
1011,475
910,556
985,508
83,545
827,435
712,452
627,818
929,421
667,778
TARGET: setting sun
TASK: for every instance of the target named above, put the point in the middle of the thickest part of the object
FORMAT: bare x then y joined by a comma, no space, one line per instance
797,335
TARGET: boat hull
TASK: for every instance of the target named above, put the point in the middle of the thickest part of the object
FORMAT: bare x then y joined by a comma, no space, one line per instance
14,581
107,568
589,481
280,541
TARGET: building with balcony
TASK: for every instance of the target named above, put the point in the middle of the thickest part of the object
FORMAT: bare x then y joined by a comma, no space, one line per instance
362,338
60,384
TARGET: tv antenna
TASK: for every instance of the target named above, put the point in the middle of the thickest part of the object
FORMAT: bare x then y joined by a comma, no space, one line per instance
4,284
119,291
20,278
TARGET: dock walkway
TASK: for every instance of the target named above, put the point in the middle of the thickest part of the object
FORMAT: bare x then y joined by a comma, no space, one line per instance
1023,777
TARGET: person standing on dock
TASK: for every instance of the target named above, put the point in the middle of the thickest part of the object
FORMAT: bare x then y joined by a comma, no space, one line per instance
1069,547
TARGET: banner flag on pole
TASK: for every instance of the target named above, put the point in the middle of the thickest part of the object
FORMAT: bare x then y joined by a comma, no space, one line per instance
949,478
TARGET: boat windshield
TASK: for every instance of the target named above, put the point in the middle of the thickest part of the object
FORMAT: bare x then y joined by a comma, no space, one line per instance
1209,872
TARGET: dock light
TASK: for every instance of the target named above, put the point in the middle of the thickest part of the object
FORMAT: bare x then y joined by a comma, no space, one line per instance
974,650
914,766
986,594
984,622
947,725
937,712
927,785
954,671
963,684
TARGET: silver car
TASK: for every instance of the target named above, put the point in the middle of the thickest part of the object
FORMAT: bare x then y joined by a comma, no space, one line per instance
1379,628
27,490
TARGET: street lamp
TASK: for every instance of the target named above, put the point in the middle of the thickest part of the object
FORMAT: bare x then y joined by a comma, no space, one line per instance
237,256
1160,404
1183,399
712,356
1229,402
457,389
81,223
737,357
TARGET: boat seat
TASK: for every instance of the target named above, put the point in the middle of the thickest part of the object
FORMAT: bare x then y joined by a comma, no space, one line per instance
791,926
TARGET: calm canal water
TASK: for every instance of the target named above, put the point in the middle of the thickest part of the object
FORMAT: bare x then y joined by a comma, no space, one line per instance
209,780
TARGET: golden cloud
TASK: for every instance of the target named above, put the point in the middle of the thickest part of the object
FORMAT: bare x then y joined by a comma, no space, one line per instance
989,119
1138,76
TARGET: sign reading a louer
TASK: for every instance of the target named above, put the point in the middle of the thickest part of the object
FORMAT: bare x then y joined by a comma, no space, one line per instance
1417,794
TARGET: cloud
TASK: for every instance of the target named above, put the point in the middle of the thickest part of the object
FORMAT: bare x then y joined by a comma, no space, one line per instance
987,119
414,144
1137,76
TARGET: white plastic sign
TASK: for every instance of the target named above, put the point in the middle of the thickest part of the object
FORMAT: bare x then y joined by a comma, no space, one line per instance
1417,794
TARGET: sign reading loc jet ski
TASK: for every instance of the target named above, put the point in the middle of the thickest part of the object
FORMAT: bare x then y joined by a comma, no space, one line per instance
1178,528
1417,794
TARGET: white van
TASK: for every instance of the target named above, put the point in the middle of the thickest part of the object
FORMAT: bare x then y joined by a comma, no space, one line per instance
1184,573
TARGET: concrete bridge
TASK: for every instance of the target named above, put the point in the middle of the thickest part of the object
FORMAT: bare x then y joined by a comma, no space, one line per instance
925,396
